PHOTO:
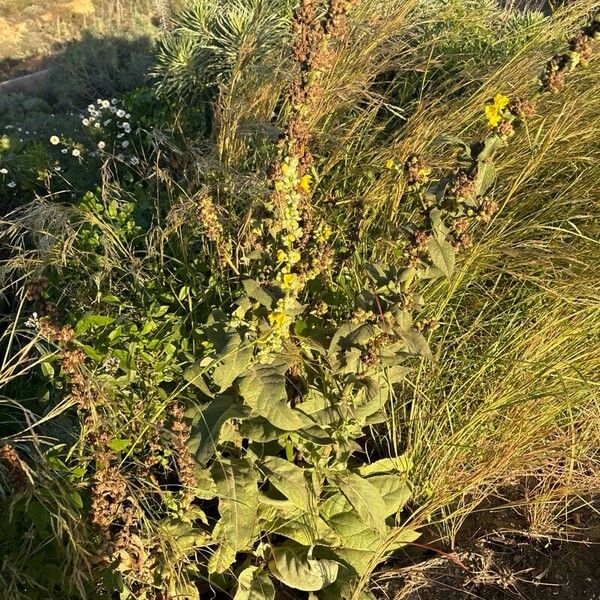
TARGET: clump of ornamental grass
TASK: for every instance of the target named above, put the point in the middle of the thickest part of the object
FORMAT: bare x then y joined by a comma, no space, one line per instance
511,394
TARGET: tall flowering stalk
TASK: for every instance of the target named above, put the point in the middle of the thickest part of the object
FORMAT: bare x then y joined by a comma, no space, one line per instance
292,225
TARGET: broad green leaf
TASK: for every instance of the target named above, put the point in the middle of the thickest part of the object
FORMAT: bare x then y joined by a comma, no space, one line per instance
442,255
365,499
386,466
490,146
237,487
291,564
91,321
207,424
256,292
195,376
254,584
359,544
119,444
285,518
415,343
263,388
233,360
289,480
486,175
259,429
221,559
394,490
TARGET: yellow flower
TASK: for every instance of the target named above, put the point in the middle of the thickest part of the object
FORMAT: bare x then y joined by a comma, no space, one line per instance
277,319
493,110
294,257
389,164
288,281
324,233
281,255
305,182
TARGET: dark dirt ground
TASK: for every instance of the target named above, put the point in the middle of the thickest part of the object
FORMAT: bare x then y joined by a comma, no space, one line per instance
496,559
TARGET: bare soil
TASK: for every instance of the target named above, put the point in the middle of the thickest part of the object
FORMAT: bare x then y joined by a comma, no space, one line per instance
496,558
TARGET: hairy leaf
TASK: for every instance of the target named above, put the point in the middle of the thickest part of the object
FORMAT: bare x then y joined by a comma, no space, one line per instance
291,564
237,486
254,584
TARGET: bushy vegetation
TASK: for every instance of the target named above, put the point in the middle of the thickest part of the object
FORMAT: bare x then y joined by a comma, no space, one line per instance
328,279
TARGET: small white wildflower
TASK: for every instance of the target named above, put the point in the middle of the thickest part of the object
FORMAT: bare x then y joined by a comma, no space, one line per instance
54,140
107,122
126,127
64,150
124,144
101,145
120,113
11,184
33,322
19,129
120,135
97,125
8,127
57,168
128,116
4,171
113,100
134,160
113,109
105,104
85,122
91,107
76,152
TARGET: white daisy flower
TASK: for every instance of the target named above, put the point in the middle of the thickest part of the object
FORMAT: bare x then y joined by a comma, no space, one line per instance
101,145
64,150
120,113
134,160
54,140
4,171
11,184
85,122
97,125
113,100
128,116
124,144
76,152
105,104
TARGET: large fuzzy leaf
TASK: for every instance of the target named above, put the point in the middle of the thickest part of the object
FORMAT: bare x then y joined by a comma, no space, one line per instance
263,388
237,487
207,423
442,255
365,499
291,564
286,519
234,358
254,584
289,480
